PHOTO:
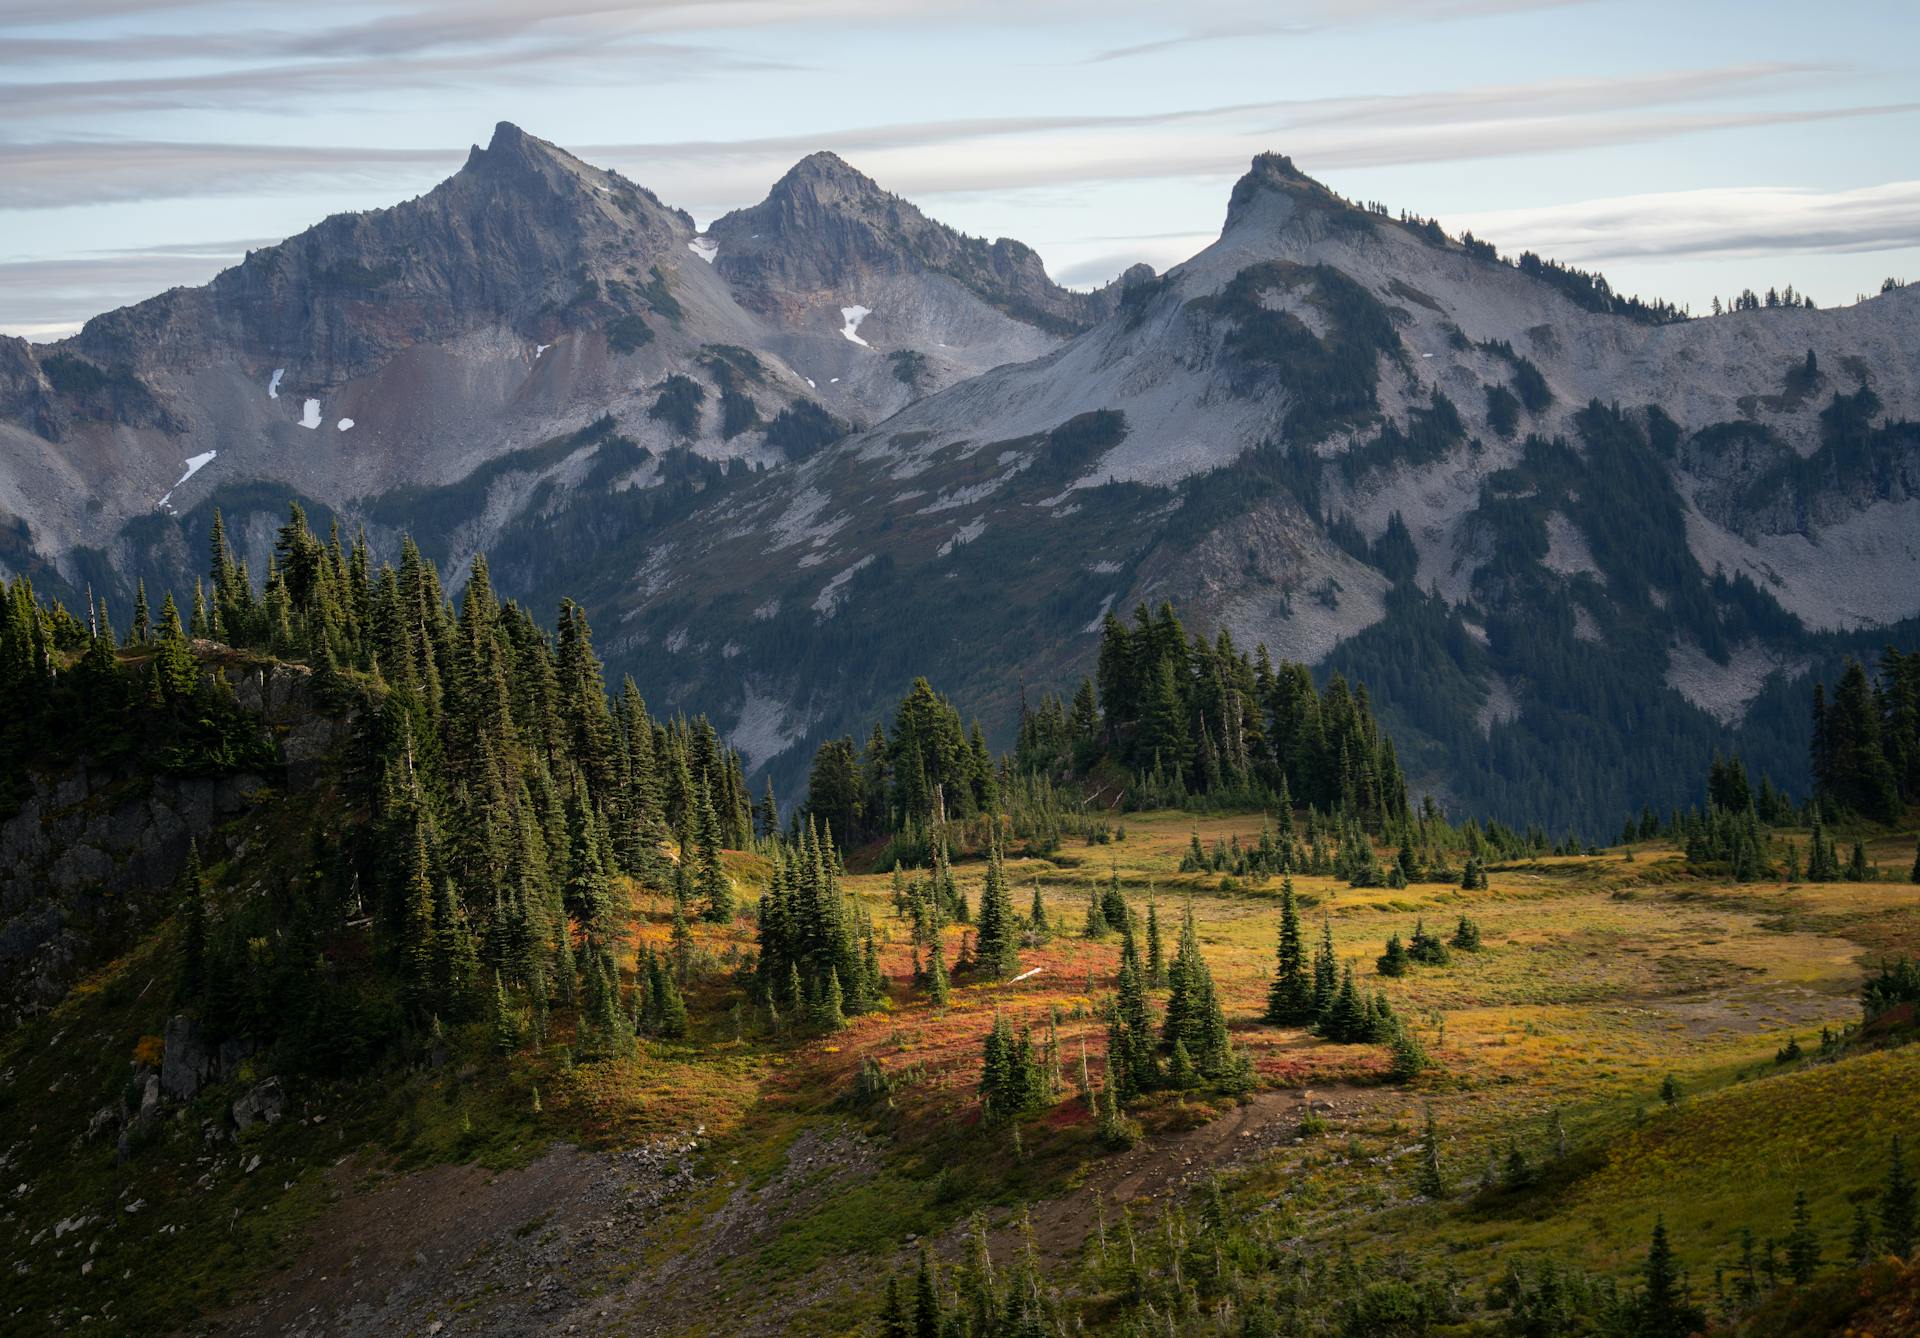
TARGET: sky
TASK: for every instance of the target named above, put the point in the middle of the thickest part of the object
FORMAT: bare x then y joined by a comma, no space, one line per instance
1688,148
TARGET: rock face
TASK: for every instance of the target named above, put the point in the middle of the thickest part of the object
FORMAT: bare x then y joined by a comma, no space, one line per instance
523,298
89,858
187,1063
825,227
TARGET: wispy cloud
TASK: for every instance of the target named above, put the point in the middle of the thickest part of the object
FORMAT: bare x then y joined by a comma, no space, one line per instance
1721,222
69,172
975,154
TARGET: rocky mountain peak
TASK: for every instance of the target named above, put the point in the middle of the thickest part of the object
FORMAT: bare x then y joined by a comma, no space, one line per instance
1273,175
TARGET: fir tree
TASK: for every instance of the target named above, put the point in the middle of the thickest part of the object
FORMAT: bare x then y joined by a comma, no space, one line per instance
191,978
938,989
1803,1243
1326,973
1290,1000
1662,1309
929,1320
829,1013
1897,1203
996,947
1096,923
1393,962
1156,958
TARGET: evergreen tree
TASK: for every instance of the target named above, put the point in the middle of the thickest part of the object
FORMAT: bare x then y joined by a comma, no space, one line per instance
1897,1203
1290,999
830,1012
191,898
1431,1181
929,1319
1663,1309
938,989
1326,972
996,946
1393,962
1803,1243
1156,959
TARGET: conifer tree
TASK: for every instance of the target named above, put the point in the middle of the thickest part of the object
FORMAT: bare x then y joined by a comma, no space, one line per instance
1096,923
929,1320
1194,1015
1290,998
1037,913
671,1007
996,947
1393,962
938,989
830,1012
191,978
1857,864
1431,1181
1897,1203
1326,972
713,885
1860,1239
1803,1243
1663,1308
501,1026
1156,959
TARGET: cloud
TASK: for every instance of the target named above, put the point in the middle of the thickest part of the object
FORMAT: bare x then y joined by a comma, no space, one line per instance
276,87
45,294
998,153
72,172
1723,222
1305,18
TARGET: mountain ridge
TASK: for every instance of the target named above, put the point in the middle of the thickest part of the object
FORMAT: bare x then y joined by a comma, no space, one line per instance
1344,434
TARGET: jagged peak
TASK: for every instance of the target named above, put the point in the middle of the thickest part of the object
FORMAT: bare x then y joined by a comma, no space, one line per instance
510,148
1271,172
827,176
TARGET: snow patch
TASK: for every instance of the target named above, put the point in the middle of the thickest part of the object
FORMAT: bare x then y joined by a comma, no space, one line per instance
835,590
966,534
705,248
273,386
195,463
538,349
676,640
344,425
767,611
852,316
1104,567
1105,606
310,415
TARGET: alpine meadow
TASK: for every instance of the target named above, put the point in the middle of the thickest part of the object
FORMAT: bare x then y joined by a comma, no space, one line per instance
573,764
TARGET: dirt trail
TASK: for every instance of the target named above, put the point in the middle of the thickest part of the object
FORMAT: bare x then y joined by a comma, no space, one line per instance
1171,1164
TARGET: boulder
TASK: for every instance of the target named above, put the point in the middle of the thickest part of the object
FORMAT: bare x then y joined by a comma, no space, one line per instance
264,1104
188,1063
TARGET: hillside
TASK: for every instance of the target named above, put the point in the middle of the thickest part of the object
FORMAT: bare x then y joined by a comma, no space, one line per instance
491,1000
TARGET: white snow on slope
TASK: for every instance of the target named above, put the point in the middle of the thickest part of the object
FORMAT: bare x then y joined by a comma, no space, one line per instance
835,590
704,248
851,330
310,415
273,386
538,349
195,463
344,425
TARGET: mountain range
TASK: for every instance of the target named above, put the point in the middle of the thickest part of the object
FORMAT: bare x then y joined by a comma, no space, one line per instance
792,460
